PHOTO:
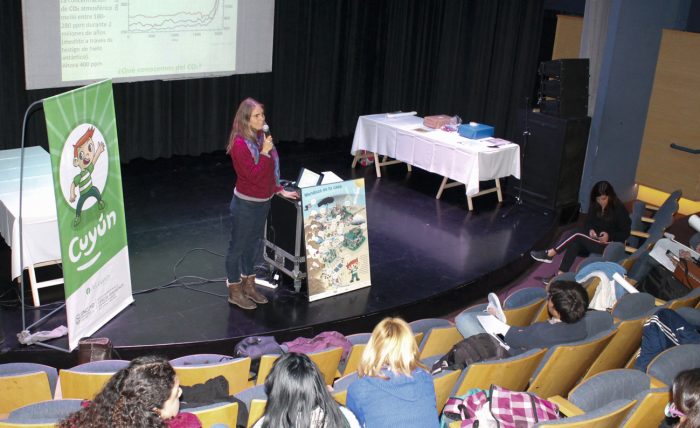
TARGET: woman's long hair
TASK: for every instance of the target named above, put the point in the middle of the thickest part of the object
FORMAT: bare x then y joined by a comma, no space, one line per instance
241,122
392,346
297,396
603,188
686,396
130,397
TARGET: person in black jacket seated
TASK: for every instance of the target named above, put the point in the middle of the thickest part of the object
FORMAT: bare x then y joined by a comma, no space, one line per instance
607,221
567,302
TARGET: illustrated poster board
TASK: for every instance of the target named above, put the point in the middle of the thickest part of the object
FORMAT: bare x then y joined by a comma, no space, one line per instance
82,133
335,235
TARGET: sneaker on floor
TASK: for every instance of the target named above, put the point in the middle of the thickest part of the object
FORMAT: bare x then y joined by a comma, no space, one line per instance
495,305
541,256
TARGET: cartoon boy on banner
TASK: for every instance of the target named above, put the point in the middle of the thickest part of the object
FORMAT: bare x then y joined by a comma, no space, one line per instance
85,156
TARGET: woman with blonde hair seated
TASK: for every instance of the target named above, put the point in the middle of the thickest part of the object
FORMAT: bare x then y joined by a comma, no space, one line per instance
394,388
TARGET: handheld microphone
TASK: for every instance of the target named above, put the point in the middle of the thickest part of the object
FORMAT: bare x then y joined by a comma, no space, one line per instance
266,130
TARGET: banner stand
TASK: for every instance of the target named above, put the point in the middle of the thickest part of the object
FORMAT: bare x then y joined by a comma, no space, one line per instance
33,108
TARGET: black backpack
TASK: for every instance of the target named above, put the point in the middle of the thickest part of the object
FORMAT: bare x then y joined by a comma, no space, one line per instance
480,347
661,284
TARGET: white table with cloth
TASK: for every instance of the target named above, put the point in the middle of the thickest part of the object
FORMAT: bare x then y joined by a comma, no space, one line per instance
448,154
39,226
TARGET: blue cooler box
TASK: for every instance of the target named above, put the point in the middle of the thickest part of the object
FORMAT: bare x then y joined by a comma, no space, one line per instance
475,132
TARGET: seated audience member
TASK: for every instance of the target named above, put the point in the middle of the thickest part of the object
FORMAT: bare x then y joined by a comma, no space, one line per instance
685,395
394,389
607,221
567,302
144,394
666,253
298,397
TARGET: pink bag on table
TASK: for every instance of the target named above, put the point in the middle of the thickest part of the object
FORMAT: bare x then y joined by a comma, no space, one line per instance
437,121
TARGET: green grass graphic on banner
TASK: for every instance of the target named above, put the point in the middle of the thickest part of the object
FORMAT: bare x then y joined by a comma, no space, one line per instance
82,132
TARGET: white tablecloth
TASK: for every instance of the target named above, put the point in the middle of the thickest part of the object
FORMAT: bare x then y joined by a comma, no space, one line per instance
445,153
40,226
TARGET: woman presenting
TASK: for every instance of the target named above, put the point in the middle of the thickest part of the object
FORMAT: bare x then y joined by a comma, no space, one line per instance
256,163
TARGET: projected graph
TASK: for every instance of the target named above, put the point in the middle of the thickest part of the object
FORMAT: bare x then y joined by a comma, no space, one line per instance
148,16
124,38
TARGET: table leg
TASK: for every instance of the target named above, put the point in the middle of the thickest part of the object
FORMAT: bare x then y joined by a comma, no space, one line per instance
442,187
376,165
32,285
498,190
408,165
355,159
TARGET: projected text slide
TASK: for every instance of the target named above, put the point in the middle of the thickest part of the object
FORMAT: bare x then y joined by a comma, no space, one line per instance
125,38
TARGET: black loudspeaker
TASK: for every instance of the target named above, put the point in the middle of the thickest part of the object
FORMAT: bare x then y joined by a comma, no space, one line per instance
564,87
553,157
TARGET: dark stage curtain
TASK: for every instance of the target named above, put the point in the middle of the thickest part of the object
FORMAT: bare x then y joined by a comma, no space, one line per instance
332,62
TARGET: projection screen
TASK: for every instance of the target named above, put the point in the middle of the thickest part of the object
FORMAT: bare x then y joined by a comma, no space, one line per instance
75,42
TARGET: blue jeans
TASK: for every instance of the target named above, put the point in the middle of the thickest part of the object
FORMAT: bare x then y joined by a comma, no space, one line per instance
248,227
468,325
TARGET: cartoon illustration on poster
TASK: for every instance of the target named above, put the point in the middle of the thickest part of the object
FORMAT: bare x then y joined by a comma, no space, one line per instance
335,233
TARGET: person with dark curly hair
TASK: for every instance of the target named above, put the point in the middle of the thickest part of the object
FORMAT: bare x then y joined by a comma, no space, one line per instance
144,394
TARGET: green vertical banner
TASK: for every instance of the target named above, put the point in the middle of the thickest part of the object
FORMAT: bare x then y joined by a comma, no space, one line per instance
82,133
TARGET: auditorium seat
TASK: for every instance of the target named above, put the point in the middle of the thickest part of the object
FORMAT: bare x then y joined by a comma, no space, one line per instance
340,387
424,325
521,307
633,306
86,380
690,300
622,385
25,383
4,424
327,362
649,410
198,368
513,373
602,401
640,221
359,342
217,414
666,366
647,239
249,396
256,410
564,365
623,345
439,340
265,366
43,413
443,383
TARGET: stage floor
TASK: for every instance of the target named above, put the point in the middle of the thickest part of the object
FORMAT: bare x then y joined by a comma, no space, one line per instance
428,257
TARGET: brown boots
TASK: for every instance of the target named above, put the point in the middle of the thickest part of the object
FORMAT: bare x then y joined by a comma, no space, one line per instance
237,297
243,293
250,291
